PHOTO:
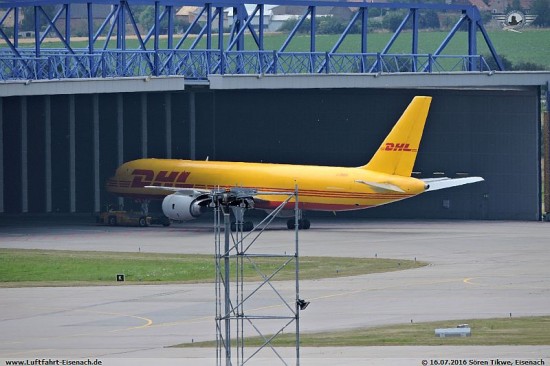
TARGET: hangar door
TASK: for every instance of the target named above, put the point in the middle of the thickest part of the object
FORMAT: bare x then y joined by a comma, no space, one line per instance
490,133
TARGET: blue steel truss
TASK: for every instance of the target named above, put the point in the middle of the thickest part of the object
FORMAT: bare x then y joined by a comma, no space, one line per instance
161,51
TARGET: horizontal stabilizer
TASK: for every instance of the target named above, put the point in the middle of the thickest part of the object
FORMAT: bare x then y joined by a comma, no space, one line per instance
435,184
382,186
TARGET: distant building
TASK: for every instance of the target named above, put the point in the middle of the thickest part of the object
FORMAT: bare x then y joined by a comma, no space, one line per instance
270,23
494,6
8,22
274,15
502,6
481,5
188,13
26,34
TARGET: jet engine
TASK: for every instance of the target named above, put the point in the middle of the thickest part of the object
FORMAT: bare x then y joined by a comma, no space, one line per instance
183,207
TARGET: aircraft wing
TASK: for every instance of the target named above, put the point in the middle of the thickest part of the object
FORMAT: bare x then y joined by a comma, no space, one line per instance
240,192
183,191
435,184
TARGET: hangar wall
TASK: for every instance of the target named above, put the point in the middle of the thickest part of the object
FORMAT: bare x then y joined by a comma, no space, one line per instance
491,133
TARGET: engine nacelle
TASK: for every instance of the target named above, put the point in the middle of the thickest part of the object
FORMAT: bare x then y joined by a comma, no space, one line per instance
181,207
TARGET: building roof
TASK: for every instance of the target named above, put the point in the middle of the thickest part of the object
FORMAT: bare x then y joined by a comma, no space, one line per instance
480,4
268,9
9,19
502,5
187,10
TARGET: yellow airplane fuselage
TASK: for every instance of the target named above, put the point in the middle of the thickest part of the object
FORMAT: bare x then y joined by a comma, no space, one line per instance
320,188
185,185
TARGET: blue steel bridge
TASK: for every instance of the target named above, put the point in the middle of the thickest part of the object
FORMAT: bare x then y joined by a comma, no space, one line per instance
161,51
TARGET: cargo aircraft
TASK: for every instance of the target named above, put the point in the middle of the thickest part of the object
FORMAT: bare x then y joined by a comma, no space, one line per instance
185,185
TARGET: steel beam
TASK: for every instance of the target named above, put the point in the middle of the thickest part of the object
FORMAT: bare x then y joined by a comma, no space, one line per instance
90,17
454,80
312,28
168,122
24,157
360,13
261,27
192,126
397,32
72,154
209,26
295,30
1,156
112,20
121,27
109,62
188,31
364,29
48,151
120,136
472,44
414,49
36,32
492,49
15,27
144,135
170,13
95,121
88,86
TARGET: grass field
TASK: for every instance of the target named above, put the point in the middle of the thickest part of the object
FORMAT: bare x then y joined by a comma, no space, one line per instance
485,332
61,268
532,45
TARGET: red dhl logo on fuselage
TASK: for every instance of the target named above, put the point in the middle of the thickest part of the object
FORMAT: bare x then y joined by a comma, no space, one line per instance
392,146
145,177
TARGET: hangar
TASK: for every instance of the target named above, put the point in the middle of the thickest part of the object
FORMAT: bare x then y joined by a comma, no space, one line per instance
62,140
70,116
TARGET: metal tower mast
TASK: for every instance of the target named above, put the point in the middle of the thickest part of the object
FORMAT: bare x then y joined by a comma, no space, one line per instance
263,308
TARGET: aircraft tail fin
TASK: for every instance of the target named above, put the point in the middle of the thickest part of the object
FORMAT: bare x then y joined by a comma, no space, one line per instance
397,153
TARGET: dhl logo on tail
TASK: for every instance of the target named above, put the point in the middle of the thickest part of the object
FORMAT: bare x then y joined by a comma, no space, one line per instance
392,146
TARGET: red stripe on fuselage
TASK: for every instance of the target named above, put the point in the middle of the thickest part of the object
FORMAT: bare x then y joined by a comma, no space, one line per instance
264,203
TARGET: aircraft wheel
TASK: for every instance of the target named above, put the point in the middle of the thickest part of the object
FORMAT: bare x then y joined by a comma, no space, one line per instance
290,224
248,226
303,224
112,220
142,222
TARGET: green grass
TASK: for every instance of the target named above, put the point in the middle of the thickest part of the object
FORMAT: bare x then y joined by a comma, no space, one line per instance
528,46
485,332
49,267
532,45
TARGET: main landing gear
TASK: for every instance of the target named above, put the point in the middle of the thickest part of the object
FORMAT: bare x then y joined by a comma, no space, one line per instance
239,210
247,226
303,224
